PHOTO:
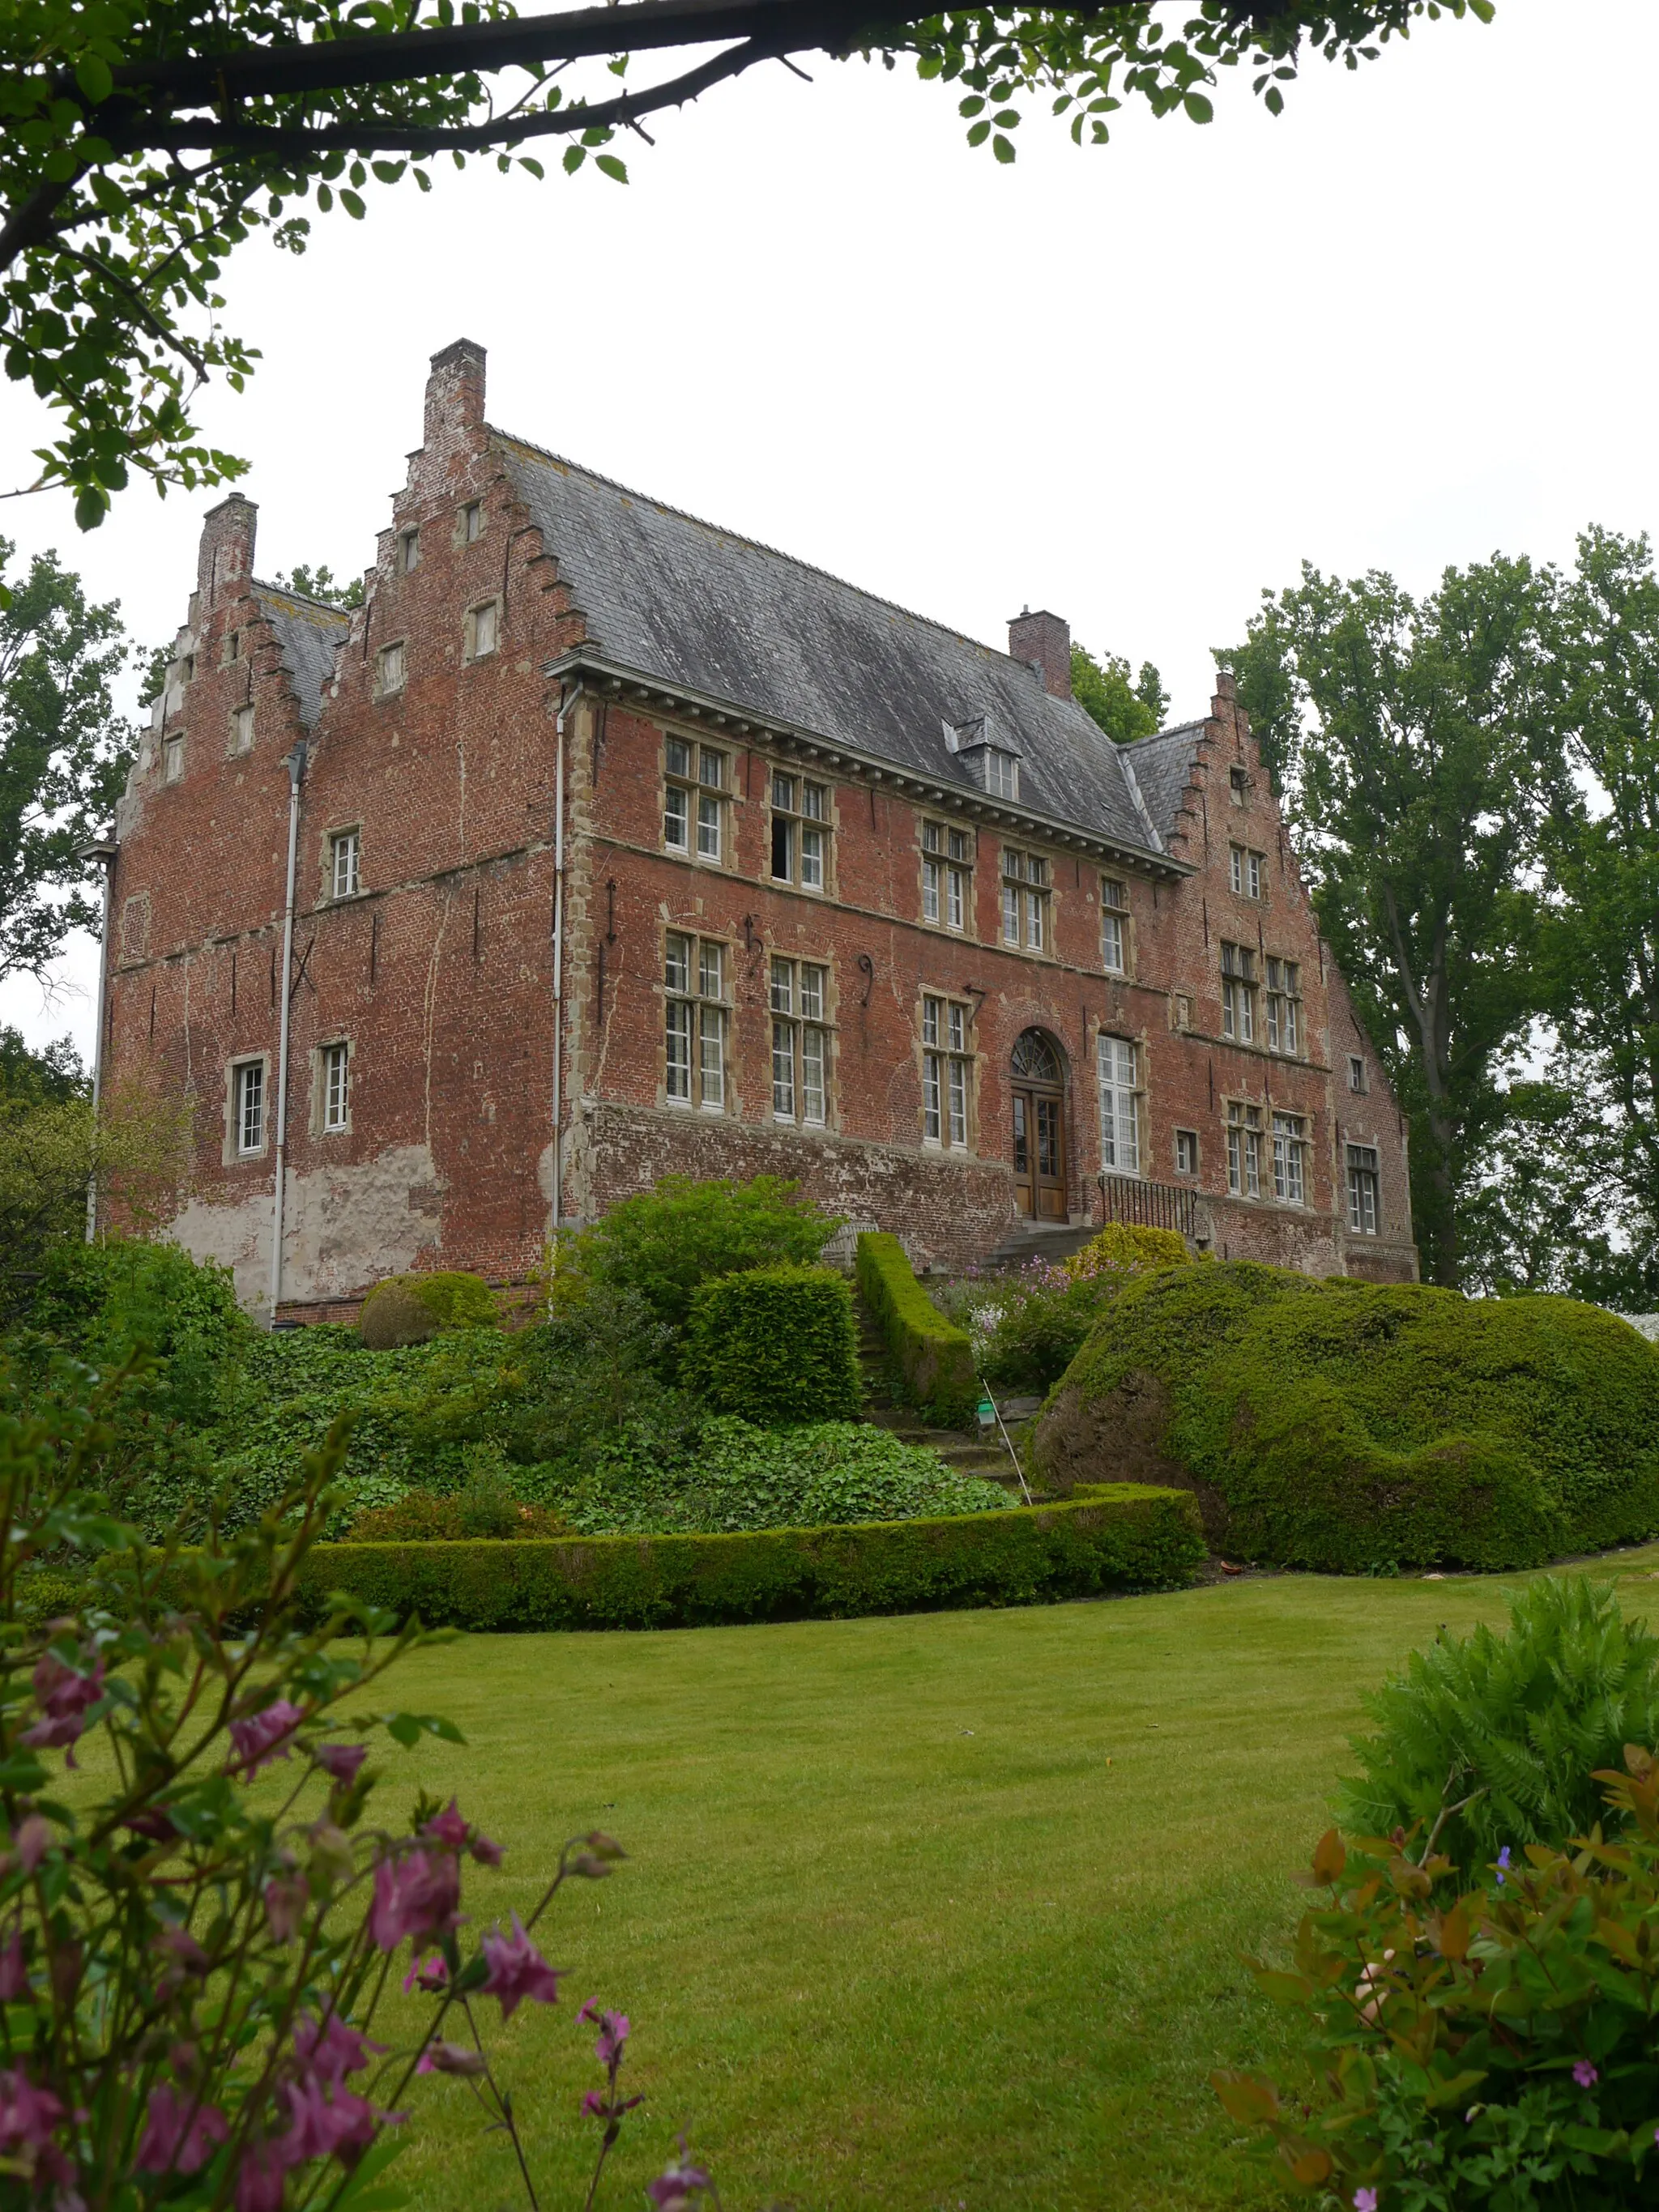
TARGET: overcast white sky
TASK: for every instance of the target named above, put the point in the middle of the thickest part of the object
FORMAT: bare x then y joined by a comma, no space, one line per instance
1408,323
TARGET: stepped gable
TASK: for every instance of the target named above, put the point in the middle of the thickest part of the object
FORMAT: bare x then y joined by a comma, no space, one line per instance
307,631
1161,769
672,598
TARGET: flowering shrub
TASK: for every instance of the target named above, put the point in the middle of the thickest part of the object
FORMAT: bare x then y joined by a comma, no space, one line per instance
1493,2043
199,1908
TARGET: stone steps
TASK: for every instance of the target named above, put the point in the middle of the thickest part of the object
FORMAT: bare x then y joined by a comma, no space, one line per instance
1038,1241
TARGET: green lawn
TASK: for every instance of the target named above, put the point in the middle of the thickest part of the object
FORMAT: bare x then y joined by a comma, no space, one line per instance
937,1912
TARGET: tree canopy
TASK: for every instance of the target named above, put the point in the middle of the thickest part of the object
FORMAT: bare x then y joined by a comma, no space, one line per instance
1126,707
143,141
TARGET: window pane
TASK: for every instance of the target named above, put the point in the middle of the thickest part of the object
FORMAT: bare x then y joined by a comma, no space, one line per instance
334,1087
1290,1025
814,1051
930,890
957,1018
1033,919
811,992
484,630
677,963
957,881
1013,864
677,1079
959,848
709,974
783,1069
713,1064
674,819
677,755
783,793
932,837
1252,1164
250,1109
959,1103
1009,915
783,987
713,769
783,849
930,1101
811,858
815,802
709,829
930,1010
1235,867
1111,942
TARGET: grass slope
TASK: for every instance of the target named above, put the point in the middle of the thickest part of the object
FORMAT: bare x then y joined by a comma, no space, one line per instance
895,1933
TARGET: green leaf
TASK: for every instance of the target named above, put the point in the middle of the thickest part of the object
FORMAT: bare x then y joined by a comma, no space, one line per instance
92,75
407,1728
1003,148
1198,107
574,158
352,202
613,167
978,133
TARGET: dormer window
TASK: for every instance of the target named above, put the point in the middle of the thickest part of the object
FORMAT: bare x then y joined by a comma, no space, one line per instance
1001,772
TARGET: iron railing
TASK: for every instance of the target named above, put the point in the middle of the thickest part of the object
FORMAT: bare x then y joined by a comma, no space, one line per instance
1147,1205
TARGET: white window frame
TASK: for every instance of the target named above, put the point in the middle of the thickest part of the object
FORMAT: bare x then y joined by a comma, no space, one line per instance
803,1048
392,668
1364,1180
1027,899
1238,993
801,811
1243,1148
1186,1142
246,1074
1001,772
345,863
696,792
947,876
1357,1082
1290,1150
334,1087
946,1071
1114,925
695,991
1284,990
1245,867
1117,1061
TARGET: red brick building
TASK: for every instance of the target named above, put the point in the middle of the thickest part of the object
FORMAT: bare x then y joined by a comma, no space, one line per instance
623,844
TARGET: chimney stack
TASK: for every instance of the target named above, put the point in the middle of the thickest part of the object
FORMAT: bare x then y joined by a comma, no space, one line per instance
1044,642
455,391
224,558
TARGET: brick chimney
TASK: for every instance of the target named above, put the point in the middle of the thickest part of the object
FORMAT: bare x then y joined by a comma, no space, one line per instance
1044,641
224,559
455,391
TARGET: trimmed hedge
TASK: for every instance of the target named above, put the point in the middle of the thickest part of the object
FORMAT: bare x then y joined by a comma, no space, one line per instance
1357,1427
775,1344
1129,1537
933,1359
407,1309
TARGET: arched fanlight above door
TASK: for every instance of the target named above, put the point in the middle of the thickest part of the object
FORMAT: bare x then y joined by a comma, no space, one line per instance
1035,1059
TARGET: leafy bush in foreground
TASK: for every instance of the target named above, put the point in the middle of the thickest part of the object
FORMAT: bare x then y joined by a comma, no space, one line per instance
1495,2050
1347,1425
775,1344
1509,1728
1029,1328
407,1309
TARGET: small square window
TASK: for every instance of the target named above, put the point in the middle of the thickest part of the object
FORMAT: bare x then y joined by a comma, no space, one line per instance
471,528
1356,1073
482,624
233,645
409,550
389,669
342,860
1186,1151
1238,785
172,760
241,730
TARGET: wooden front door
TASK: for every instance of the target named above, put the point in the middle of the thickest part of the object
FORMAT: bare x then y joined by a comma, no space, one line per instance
1039,1130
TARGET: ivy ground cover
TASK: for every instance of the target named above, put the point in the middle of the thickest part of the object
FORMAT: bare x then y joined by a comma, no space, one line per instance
938,1913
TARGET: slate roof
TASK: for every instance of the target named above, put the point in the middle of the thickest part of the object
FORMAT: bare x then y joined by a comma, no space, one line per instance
1161,766
690,604
308,632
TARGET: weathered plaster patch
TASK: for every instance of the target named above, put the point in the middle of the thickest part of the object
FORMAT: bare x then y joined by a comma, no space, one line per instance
344,1228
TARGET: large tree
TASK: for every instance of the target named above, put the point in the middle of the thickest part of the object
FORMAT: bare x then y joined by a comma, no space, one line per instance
63,755
1417,747
140,140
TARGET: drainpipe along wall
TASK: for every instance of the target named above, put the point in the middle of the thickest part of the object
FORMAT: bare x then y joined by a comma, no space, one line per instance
296,774
104,853
565,706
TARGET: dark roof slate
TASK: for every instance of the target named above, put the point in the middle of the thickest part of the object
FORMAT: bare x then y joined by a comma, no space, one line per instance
690,604
308,632
1162,767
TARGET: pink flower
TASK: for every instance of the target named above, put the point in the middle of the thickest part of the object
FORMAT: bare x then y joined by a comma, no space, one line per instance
263,1737
418,1895
64,1693
673,2189
27,2117
593,2103
177,2137
32,1842
430,1974
286,1899
1365,2200
342,2126
333,2050
14,1974
450,2058
517,1969
341,1761
614,2030
449,1829
259,2180
1585,2074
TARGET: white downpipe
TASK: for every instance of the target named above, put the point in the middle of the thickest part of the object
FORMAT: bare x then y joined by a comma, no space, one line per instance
565,705
297,771
106,856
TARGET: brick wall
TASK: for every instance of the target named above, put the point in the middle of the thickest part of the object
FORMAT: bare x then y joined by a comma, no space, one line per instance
436,973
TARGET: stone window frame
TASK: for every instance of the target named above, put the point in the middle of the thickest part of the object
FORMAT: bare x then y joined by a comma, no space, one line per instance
699,1004
1247,872
946,874
1239,982
1286,1029
234,1154
1187,1143
334,841
322,1061
706,806
796,1022
1120,1132
231,650
947,1060
1244,1126
173,759
1238,785
471,651
1116,921
798,826
391,676
408,549
1362,1182
469,522
240,742
1358,1081
1288,1148
1034,896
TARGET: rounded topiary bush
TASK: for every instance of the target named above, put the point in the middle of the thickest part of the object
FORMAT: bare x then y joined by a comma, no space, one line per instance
407,1309
1356,1426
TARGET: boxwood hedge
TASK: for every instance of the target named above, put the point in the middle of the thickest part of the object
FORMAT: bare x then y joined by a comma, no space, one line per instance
931,1359
1130,1537
775,1344
1353,1426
